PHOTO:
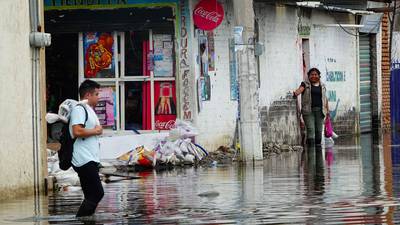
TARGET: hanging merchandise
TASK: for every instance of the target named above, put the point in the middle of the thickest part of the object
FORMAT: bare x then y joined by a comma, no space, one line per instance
208,14
205,88
211,51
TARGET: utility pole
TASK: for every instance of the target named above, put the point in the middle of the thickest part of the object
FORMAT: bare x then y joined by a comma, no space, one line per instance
250,130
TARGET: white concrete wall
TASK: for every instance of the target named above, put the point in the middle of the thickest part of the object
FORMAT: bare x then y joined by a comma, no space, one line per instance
16,160
331,49
396,47
280,66
217,118
379,70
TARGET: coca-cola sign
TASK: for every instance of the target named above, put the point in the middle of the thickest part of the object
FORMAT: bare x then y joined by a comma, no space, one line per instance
208,14
165,125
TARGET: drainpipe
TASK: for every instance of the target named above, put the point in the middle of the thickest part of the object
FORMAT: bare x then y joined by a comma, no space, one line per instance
37,40
34,22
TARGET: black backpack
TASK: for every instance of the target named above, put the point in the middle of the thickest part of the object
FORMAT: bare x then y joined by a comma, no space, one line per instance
67,144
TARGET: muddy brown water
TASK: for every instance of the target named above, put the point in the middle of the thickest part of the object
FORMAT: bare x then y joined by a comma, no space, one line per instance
357,181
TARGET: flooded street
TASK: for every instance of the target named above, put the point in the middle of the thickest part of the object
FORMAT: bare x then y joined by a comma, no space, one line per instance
355,182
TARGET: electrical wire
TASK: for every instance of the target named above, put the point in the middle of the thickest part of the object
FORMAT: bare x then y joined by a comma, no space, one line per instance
343,28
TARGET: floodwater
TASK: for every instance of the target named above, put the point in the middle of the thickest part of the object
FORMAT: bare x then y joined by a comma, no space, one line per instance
355,182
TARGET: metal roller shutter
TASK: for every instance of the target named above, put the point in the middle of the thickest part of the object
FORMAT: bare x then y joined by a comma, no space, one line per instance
365,85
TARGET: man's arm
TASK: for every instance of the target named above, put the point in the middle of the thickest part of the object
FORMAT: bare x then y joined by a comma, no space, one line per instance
81,132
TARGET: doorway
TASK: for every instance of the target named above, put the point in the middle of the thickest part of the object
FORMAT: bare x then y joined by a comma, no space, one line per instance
61,70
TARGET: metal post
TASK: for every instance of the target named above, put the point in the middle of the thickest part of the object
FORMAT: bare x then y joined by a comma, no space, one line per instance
250,129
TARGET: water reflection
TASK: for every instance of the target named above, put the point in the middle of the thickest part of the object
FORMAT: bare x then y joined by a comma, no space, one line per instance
356,181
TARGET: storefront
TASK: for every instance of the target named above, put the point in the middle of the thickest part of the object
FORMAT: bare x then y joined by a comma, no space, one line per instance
128,46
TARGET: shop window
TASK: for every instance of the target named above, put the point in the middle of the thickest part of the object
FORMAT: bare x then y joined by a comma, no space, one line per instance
144,74
136,53
134,106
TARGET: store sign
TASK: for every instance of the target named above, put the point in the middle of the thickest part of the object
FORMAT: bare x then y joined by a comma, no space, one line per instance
82,2
94,4
184,62
208,14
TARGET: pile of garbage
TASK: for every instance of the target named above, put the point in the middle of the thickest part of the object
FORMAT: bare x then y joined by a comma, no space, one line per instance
65,180
176,149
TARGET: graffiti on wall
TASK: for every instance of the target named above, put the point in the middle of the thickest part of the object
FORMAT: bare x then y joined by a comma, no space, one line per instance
334,74
184,64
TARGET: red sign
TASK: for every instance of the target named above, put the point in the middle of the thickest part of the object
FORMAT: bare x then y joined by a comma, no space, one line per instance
165,105
208,14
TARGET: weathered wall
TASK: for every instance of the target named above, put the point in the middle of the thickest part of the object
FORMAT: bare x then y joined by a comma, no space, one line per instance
280,72
16,157
217,118
385,70
281,68
334,52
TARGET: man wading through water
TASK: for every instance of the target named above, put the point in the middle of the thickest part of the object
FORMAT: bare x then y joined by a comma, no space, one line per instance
85,158
314,106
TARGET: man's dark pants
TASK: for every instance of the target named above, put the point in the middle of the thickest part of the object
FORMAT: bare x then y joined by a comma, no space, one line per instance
91,187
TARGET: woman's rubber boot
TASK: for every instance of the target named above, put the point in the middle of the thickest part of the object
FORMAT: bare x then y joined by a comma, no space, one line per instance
87,208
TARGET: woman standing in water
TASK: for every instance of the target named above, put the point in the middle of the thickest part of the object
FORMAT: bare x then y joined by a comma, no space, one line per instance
314,105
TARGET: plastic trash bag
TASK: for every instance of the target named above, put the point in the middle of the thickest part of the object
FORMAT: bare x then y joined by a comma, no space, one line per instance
65,109
182,130
328,127
140,156
329,142
52,118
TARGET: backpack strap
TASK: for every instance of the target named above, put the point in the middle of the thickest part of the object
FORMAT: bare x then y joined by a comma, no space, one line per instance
86,114
86,117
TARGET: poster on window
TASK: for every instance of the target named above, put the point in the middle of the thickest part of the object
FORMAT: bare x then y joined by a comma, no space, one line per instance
105,108
165,105
162,56
98,50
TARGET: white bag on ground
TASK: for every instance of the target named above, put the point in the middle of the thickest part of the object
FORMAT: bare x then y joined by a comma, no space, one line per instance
182,130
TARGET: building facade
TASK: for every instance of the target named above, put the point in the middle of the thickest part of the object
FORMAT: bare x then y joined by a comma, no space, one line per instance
22,155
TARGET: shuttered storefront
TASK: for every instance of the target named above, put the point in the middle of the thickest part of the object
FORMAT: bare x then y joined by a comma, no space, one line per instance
365,85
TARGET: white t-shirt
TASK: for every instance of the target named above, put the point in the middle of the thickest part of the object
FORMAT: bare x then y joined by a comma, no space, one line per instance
85,149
